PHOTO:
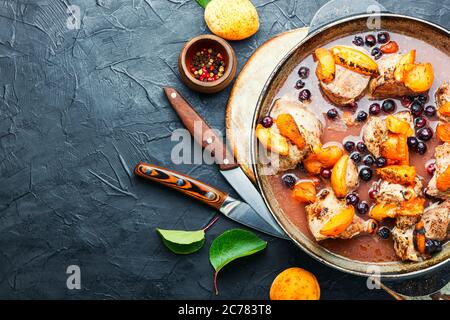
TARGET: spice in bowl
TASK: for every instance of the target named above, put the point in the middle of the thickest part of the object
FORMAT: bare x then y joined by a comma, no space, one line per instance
208,65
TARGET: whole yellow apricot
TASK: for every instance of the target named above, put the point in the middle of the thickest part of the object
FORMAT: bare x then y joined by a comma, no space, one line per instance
232,19
295,284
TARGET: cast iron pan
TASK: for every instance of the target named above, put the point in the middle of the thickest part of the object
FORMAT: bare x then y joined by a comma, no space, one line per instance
420,29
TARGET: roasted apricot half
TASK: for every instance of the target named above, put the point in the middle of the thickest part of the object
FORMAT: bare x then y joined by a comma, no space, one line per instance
407,59
288,128
339,177
420,77
396,125
443,180
382,211
326,66
338,223
354,60
443,131
272,141
400,174
304,192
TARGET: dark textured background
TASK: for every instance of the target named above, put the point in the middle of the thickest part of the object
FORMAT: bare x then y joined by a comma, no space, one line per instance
72,103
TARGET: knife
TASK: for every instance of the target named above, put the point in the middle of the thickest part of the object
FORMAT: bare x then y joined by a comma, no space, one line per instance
228,166
234,209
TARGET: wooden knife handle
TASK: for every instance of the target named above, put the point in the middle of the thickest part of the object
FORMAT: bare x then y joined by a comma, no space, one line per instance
183,183
200,130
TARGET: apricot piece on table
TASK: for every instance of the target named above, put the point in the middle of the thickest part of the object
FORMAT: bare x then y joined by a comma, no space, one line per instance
295,284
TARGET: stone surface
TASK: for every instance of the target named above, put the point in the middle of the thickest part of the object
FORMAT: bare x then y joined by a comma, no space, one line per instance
78,108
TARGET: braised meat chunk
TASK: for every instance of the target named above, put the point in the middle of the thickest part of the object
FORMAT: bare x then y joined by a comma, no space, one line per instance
439,185
436,221
347,86
442,97
295,126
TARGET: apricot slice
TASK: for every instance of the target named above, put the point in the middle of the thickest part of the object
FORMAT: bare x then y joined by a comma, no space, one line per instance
288,128
272,141
338,223
311,164
295,284
443,131
445,109
328,156
420,77
400,174
326,67
443,180
396,125
355,60
395,149
304,192
407,59
339,177
382,211
411,208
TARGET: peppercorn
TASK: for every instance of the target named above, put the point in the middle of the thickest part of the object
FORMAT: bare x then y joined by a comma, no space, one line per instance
207,65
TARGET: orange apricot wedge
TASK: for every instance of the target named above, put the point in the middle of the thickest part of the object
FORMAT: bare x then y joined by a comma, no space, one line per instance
396,125
411,208
445,109
288,128
355,60
420,77
443,131
328,156
407,59
304,192
272,141
443,180
338,223
382,211
326,66
400,174
339,177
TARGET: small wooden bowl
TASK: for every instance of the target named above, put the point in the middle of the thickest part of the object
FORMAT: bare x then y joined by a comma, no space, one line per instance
217,44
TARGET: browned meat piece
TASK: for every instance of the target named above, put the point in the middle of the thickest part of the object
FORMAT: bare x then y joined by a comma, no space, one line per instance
443,96
328,205
392,192
436,221
347,86
404,243
375,131
405,222
385,85
308,124
442,156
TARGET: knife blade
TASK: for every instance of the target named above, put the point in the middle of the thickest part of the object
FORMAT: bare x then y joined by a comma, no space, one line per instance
232,208
228,166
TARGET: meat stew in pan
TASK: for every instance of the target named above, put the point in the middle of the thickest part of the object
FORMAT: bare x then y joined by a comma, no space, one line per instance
358,147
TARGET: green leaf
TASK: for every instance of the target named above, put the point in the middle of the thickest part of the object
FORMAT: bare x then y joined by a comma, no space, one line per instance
182,242
203,3
231,245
